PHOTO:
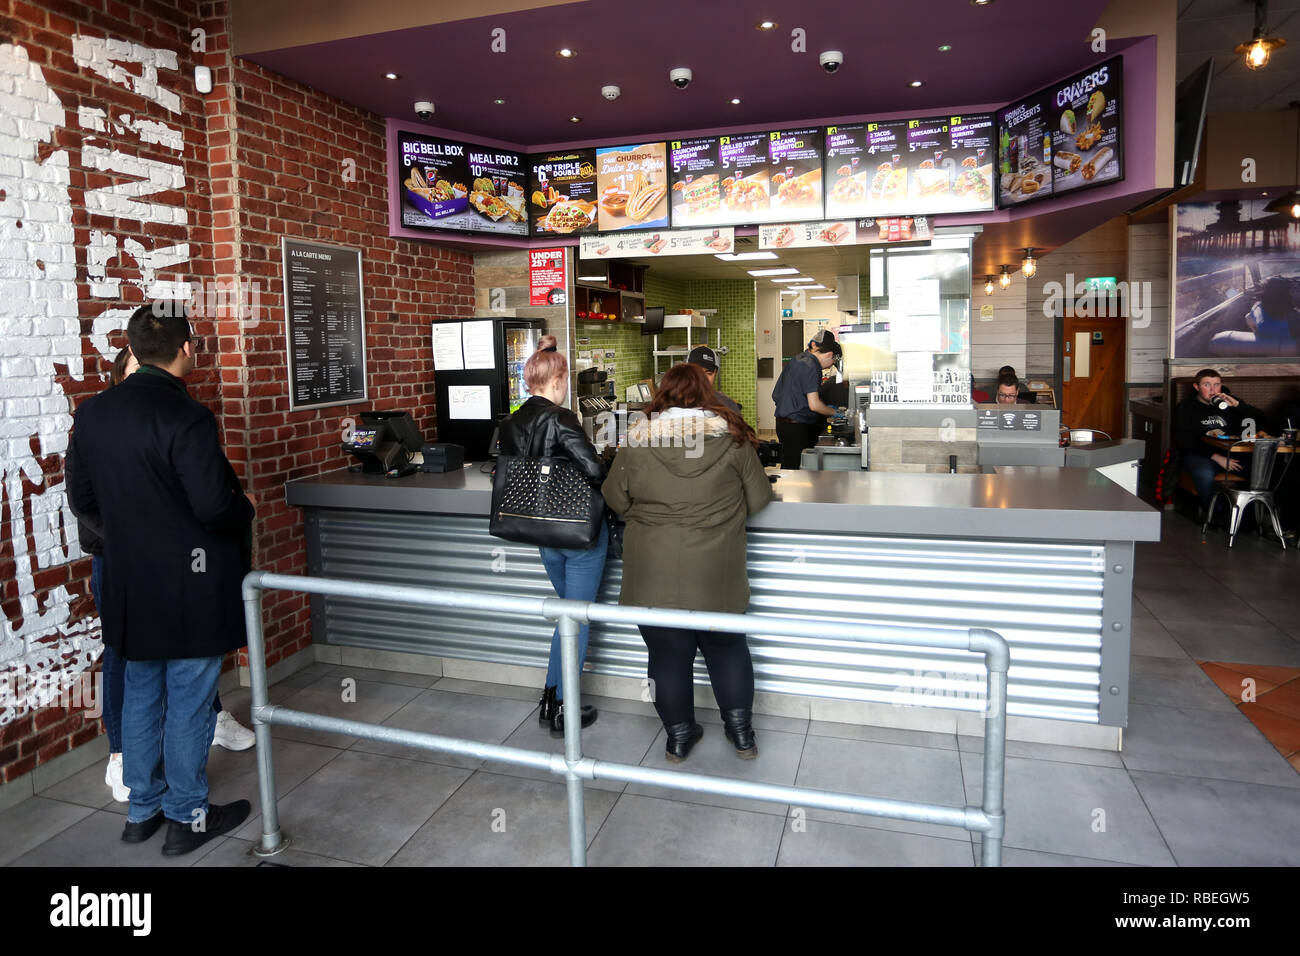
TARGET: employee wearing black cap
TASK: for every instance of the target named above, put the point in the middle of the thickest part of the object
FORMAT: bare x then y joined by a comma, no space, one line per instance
798,406
707,359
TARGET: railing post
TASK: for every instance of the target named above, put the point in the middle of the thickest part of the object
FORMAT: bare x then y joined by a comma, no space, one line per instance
997,657
273,841
571,683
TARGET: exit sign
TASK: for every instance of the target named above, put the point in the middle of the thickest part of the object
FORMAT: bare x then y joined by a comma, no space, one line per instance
1101,283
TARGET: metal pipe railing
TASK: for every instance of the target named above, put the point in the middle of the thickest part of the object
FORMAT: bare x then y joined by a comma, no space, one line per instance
988,819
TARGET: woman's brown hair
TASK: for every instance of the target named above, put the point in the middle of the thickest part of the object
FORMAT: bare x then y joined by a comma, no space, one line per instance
118,372
687,386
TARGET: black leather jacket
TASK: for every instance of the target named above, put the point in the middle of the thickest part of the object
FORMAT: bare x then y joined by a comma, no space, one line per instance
542,429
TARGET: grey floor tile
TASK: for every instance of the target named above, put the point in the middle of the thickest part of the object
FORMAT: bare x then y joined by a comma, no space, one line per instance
233,776
1074,810
886,735
468,716
457,685
233,852
361,807
1282,612
85,787
1139,609
1035,751
646,831
834,844
1202,743
1148,576
1150,639
777,762
623,738
1013,856
1239,643
1224,823
1212,609
96,840
499,820
35,820
368,701
1174,683
307,676
405,678
893,771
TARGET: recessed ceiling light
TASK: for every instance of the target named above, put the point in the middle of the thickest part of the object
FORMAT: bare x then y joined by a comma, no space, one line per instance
565,53
766,25
773,272
742,256
735,101
795,279
499,102
945,47
575,119
817,286
823,296
915,83
392,76
980,3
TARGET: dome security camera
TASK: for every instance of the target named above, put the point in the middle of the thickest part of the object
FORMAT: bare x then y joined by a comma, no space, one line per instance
831,60
681,77
610,92
424,110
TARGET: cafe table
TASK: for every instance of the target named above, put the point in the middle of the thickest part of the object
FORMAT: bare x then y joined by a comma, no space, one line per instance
1260,486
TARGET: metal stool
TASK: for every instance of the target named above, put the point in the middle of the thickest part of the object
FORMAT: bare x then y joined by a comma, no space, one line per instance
1257,493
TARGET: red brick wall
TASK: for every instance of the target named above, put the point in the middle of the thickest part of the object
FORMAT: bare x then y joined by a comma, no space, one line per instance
262,158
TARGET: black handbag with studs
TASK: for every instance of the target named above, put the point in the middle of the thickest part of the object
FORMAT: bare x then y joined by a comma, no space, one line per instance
544,501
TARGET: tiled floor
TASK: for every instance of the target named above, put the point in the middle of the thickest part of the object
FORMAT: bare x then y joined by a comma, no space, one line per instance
1197,784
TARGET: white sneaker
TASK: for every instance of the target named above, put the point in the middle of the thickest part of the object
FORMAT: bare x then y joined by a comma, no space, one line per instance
113,777
231,734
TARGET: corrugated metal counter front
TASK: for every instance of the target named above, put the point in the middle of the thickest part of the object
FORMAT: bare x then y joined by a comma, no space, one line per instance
1043,556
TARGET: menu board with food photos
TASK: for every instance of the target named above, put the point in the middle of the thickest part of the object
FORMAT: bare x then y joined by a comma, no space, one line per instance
562,197
747,178
1087,130
1025,150
934,165
446,184
633,185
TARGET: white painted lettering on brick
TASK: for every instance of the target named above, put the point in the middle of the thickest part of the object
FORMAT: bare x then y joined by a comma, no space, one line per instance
117,200
90,117
105,57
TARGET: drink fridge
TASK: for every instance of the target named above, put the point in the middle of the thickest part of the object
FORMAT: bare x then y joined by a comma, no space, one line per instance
473,397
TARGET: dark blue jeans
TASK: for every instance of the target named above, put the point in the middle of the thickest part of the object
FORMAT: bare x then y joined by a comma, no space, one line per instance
1202,470
576,576
113,669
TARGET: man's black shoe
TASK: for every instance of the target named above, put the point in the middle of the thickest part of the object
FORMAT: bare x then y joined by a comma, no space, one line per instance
221,818
139,832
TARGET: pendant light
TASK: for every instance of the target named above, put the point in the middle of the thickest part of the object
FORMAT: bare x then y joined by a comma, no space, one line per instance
1030,265
1005,279
1260,46
988,285
1289,203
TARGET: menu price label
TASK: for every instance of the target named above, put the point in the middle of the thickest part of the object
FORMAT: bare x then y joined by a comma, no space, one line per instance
801,235
678,242
633,185
325,325
547,277
1087,127
459,186
562,196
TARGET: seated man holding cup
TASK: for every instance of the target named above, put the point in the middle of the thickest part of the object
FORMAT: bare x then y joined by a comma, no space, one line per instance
1209,410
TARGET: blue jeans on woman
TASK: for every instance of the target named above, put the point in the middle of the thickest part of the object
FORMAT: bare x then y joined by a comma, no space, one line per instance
113,669
576,576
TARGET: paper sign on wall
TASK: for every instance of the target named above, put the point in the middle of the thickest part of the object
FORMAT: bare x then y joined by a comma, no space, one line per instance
469,402
478,345
446,347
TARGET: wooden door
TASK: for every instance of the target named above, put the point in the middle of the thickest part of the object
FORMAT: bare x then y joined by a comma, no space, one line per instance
1092,393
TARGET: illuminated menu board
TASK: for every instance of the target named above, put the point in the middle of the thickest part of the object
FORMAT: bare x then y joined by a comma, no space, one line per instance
911,166
445,184
1025,150
1087,131
747,178
562,197
633,185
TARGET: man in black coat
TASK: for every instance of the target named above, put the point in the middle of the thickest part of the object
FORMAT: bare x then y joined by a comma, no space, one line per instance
150,462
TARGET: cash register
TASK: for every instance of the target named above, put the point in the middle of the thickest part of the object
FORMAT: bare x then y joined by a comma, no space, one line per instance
384,442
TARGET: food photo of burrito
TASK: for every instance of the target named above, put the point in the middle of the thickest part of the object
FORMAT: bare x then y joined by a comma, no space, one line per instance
748,194
834,234
784,236
1098,163
801,192
567,217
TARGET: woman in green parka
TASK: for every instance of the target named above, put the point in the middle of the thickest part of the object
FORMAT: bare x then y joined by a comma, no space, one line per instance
685,483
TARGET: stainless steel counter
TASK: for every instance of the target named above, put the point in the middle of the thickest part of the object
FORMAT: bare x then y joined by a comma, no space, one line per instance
1042,555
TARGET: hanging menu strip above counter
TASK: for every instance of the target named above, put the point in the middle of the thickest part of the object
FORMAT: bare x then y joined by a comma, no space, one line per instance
324,324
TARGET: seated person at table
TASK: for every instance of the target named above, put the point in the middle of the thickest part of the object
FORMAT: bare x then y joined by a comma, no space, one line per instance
1199,415
1009,391
1024,396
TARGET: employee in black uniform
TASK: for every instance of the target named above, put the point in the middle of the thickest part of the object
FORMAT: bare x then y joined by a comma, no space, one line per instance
798,407
707,359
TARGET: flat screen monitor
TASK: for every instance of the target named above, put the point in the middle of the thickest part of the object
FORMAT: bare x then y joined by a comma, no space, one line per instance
394,426
654,320
1191,102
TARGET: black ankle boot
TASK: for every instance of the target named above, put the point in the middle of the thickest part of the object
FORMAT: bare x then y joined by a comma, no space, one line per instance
557,722
547,705
681,738
738,726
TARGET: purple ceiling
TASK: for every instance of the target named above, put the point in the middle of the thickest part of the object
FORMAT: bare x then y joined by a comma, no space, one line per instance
1006,49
